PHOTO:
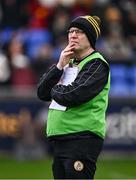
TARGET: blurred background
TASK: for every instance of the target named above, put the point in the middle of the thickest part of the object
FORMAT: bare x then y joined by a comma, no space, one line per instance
32,35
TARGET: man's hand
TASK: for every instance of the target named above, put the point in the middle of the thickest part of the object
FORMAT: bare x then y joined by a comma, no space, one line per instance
66,55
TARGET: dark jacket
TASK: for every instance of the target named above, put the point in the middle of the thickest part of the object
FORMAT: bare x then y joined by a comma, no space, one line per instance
94,73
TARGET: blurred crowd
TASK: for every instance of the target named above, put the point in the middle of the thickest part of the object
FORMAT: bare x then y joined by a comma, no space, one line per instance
33,33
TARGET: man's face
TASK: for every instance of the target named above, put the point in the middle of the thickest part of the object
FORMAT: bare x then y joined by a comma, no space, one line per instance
78,38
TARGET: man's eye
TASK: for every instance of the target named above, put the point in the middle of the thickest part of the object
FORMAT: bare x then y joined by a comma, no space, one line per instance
76,31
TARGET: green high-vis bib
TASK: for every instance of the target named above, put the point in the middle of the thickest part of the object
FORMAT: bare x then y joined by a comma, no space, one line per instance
89,116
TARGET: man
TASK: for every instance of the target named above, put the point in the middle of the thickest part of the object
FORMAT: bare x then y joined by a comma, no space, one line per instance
78,87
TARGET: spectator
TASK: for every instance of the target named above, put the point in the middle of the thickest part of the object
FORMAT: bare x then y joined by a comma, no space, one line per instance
59,22
114,44
131,30
14,13
22,73
115,47
43,60
5,71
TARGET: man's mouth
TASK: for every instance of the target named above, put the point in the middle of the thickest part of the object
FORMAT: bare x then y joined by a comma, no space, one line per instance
73,42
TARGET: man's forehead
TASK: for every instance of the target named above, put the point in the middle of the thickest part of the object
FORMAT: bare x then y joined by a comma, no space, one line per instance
74,28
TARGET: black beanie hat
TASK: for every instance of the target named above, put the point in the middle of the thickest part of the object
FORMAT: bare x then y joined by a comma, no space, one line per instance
90,25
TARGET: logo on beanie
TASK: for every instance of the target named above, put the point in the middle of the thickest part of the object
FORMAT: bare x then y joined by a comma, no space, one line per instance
78,166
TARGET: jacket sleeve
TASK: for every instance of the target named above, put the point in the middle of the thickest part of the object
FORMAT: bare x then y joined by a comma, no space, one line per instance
47,81
88,84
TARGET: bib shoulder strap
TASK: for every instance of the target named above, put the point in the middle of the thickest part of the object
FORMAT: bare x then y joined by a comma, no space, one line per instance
90,58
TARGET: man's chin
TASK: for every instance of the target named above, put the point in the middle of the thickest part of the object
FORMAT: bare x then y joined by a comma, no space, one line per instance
76,49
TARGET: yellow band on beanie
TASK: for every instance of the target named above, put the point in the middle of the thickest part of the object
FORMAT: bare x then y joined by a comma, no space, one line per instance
94,24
